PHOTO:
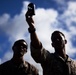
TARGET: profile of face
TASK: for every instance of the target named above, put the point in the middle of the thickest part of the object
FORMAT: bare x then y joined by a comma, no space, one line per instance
58,40
20,48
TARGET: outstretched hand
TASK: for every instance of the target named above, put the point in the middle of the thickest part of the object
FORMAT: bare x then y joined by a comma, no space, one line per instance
29,19
34,39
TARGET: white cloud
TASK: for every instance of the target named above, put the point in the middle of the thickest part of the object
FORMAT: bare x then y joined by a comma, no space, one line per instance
0,61
3,19
46,21
68,18
61,2
7,56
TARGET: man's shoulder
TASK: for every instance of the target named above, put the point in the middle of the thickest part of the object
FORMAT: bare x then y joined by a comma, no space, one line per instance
32,68
5,65
31,65
73,62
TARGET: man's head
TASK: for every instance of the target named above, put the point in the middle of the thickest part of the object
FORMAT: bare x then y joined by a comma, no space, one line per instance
20,47
58,40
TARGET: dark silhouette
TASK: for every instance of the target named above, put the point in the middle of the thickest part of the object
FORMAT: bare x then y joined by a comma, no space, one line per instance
57,63
17,65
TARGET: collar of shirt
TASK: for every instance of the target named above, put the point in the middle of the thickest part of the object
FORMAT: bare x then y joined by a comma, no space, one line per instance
68,59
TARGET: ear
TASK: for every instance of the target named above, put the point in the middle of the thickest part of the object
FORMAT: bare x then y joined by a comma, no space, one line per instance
52,44
13,48
65,41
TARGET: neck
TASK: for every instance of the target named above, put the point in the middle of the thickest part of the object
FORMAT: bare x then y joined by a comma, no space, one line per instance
62,53
18,59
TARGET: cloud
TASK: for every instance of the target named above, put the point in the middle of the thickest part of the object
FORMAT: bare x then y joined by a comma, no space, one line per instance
7,56
0,61
3,19
61,2
46,21
68,20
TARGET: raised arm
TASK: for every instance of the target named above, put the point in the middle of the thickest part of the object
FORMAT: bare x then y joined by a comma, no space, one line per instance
32,30
38,53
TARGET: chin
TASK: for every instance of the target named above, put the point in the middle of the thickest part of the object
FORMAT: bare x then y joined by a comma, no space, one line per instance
21,54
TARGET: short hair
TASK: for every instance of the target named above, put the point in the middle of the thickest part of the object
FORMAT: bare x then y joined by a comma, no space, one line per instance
18,42
56,32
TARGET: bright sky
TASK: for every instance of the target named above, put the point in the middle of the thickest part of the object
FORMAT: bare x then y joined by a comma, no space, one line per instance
50,15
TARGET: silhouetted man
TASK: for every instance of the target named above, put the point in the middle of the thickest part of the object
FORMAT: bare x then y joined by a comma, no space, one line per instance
17,65
57,63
